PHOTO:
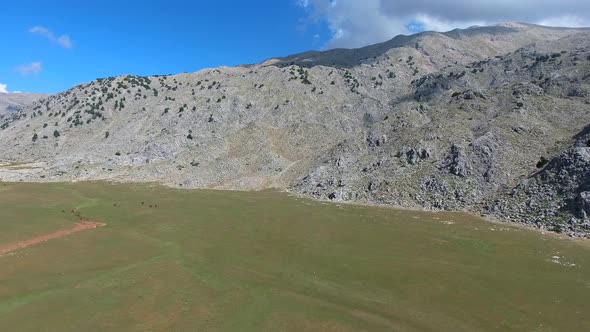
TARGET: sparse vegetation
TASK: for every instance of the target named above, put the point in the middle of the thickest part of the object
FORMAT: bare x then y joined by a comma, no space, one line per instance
542,162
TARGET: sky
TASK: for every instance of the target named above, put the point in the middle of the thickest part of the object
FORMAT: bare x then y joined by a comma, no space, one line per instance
50,46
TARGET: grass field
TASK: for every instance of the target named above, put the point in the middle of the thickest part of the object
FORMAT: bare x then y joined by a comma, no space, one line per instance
231,261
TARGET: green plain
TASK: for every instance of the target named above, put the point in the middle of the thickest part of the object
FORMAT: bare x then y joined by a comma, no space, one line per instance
267,261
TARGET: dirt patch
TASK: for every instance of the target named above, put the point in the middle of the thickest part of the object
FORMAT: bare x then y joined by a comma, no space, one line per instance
83,225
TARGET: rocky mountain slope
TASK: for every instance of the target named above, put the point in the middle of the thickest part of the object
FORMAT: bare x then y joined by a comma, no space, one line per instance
560,192
488,119
10,102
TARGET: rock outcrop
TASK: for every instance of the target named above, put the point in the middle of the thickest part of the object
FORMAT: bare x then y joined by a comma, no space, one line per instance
558,196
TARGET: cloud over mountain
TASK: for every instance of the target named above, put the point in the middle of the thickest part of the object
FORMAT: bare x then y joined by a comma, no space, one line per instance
356,23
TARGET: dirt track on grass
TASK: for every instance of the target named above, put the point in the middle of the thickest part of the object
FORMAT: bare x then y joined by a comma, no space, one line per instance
83,225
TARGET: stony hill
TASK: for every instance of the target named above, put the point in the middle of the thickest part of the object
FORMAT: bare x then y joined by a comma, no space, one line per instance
485,119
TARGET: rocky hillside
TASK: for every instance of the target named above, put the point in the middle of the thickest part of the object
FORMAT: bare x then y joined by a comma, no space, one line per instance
559,193
10,102
472,119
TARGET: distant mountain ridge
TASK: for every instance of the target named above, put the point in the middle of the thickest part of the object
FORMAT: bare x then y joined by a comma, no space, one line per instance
498,36
485,119
17,100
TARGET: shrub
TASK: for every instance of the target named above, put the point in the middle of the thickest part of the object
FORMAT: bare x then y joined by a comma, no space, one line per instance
35,137
542,162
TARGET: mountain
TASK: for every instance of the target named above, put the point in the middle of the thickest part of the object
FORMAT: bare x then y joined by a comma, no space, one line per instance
10,102
485,119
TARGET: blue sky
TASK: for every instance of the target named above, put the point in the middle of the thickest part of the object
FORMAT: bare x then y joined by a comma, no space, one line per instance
50,46
111,38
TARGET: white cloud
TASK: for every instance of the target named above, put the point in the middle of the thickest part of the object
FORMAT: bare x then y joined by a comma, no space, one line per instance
431,23
3,88
30,68
63,40
355,23
41,31
530,11
303,3
566,21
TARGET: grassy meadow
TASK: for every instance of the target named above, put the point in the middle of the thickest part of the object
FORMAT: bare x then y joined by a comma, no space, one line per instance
180,260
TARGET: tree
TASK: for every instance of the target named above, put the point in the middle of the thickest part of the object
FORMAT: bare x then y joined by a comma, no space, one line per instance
56,134
542,162
35,137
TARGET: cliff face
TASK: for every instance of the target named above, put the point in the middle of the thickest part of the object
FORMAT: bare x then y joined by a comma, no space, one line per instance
441,121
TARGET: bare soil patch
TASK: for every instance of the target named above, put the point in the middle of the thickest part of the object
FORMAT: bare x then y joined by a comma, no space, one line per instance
80,226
